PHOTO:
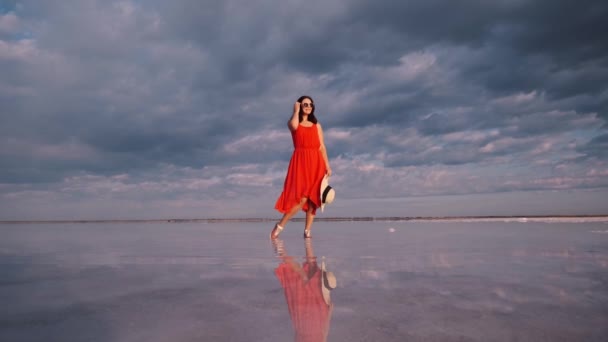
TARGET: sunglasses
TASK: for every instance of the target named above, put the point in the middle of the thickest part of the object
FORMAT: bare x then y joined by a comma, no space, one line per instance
306,105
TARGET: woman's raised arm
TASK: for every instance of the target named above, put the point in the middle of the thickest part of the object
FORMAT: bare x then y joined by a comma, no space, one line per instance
295,117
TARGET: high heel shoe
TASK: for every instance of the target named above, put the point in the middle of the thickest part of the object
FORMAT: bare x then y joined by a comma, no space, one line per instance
307,234
276,231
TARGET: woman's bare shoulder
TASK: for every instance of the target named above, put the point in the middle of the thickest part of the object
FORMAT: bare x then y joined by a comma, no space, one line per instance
291,128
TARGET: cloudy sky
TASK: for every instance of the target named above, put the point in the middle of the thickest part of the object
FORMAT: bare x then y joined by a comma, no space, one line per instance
156,109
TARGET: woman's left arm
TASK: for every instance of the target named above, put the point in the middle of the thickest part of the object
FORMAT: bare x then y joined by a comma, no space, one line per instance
323,150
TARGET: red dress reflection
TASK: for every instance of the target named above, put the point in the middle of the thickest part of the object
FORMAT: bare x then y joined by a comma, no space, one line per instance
309,312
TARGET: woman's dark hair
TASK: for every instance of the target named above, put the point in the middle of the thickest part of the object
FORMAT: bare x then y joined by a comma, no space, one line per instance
311,116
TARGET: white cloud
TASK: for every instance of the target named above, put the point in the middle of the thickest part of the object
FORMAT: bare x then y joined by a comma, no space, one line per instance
414,64
267,140
18,50
9,23
470,136
518,99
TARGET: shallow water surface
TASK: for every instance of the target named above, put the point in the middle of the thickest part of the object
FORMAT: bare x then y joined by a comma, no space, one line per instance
396,281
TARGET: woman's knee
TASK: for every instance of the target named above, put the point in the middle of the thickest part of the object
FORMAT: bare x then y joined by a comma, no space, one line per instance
311,207
300,205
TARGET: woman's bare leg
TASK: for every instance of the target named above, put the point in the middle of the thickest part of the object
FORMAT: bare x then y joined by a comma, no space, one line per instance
275,232
288,215
310,217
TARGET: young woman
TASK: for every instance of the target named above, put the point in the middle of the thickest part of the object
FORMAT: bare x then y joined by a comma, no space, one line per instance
307,167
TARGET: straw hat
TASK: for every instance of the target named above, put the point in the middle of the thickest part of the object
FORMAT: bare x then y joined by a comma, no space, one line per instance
327,192
328,283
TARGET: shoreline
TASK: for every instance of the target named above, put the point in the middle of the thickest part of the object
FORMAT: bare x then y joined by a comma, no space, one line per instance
518,218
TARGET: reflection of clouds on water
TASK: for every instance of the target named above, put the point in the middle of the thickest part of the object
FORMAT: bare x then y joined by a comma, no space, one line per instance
424,282
371,274
440,260
547,219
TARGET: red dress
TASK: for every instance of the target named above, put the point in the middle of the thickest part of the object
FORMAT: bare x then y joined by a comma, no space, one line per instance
309,313
305,172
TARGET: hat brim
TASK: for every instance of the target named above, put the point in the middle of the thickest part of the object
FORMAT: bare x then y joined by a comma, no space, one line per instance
326,192
328,283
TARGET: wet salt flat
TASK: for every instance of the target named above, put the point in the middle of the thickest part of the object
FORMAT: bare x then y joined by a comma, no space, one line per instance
396,281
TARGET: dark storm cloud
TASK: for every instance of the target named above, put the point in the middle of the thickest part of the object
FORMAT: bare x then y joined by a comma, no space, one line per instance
122,79
551,47
567,33
463,22
571,34
439,95
107,97
596,147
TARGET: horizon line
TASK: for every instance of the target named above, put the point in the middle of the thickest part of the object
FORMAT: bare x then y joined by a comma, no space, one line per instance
321,219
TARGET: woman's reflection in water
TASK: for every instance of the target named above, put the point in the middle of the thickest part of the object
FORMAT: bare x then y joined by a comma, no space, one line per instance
307,289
